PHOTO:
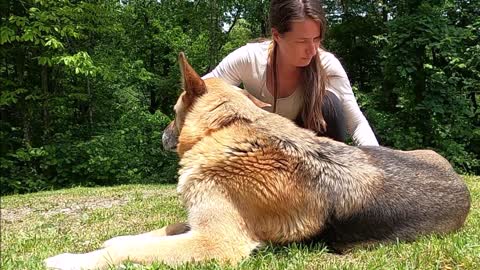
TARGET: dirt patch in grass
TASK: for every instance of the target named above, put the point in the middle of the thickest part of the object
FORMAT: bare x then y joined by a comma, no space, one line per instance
75,204
65,207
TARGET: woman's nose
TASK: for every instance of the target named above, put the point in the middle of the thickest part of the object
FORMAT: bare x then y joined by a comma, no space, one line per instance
312,48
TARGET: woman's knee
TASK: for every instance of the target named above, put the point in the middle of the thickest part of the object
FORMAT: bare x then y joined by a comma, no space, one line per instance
334,117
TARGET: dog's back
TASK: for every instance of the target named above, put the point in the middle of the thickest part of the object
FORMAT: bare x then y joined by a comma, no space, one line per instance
420,194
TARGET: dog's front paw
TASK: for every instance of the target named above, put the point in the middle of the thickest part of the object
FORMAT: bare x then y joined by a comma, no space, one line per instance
69,261
65,261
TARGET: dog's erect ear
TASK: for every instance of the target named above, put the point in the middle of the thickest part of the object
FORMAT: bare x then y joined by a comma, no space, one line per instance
255,100
192,82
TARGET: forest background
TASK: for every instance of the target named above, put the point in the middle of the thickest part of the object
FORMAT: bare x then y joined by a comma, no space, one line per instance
88,86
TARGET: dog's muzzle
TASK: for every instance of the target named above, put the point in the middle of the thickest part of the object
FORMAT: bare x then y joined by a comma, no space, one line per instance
170,137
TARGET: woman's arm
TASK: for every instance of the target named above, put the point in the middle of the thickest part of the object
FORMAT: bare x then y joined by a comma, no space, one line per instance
231,68
357,124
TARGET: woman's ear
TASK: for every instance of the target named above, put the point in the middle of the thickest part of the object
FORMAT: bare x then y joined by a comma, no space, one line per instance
275,34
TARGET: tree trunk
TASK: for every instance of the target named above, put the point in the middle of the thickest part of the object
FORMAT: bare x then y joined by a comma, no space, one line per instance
213,35
90,106
46,116
20,66
420,77
154,103
424,119
384,11
23,107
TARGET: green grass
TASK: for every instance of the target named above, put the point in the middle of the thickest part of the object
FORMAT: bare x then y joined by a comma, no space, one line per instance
36,226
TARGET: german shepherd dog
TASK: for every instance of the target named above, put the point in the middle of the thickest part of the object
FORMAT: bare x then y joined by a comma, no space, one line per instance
250,177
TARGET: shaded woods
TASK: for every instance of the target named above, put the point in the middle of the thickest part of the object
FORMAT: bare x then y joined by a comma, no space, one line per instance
88,86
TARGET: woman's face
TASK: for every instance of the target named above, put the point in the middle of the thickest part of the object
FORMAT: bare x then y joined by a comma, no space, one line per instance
298,46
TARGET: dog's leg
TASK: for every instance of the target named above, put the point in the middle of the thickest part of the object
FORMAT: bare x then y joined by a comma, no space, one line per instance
172,229
217,232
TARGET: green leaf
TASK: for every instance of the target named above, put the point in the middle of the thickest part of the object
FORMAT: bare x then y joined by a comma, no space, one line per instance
6,35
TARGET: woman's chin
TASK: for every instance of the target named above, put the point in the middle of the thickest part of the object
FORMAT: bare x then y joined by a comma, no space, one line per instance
304,62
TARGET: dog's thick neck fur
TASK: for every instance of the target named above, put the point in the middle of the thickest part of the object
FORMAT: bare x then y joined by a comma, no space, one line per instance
219,108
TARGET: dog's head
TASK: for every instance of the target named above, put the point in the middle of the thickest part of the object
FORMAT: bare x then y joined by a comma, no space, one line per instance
220,105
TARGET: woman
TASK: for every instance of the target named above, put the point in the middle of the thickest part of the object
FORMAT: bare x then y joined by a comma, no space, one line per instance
301,80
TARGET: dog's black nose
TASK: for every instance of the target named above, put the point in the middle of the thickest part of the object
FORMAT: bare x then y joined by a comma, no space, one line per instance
169,141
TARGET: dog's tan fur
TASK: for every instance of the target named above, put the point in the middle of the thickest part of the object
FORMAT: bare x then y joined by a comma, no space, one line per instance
249,177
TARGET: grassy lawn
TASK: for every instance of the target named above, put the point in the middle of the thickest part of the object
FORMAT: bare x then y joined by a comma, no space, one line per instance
36,226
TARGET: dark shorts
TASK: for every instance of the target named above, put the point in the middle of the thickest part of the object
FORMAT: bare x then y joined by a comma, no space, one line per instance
334,117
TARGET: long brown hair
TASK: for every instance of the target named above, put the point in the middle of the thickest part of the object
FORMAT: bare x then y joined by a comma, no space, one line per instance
313,77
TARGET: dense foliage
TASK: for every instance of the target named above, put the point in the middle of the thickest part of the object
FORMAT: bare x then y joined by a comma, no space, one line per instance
88,86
